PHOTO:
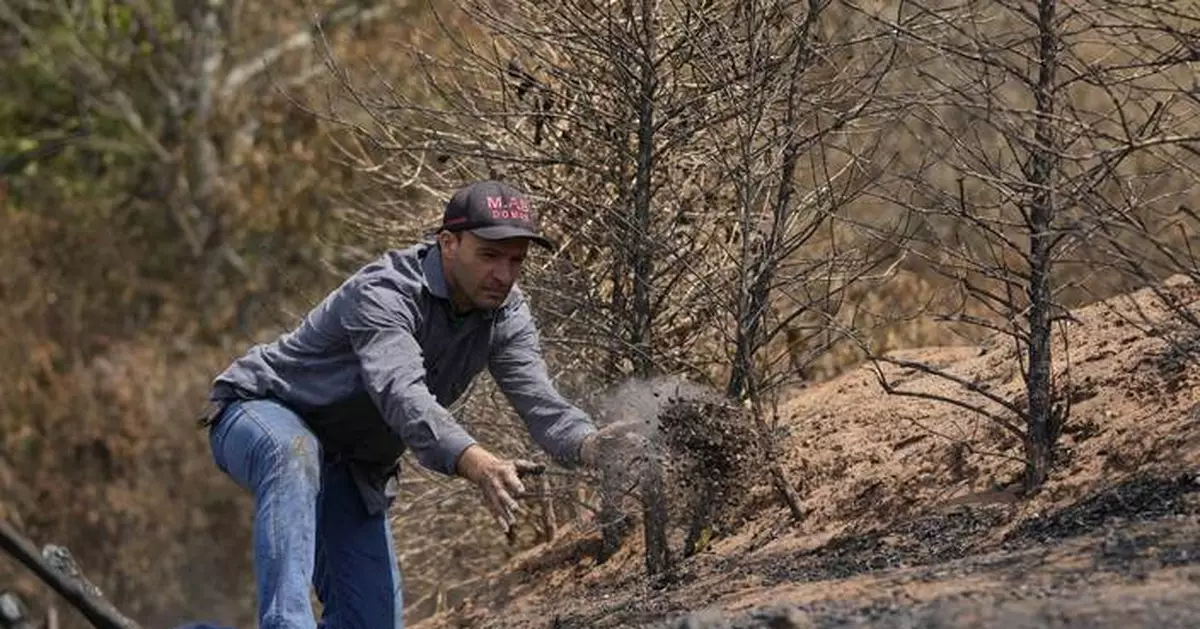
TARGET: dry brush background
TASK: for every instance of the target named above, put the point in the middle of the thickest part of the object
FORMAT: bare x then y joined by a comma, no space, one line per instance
755,195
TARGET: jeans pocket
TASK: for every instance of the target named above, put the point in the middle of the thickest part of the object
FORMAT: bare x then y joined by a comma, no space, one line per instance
217,433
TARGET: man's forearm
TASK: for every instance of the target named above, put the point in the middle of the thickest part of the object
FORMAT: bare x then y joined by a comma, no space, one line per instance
435,439
427,429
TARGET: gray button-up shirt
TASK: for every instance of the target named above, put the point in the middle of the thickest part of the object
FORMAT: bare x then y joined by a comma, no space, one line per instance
373,367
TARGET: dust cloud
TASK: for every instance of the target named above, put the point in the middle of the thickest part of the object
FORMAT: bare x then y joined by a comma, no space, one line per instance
640,402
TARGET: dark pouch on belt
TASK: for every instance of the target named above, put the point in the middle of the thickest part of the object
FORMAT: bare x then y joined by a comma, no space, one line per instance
211,413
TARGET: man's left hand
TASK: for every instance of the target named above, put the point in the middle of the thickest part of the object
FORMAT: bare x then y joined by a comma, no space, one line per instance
498,479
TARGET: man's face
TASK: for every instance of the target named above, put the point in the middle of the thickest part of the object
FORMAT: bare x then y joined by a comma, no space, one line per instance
481,272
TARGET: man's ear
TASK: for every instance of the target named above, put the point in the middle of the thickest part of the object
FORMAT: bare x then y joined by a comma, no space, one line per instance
447,240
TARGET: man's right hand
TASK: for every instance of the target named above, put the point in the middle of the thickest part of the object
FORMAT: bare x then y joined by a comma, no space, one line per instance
617,445
498,479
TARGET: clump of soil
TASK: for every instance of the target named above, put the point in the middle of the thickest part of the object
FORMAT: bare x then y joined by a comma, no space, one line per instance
711,465
690,480
695,480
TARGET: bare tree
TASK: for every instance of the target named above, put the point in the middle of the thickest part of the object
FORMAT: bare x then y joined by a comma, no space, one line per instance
1023,126
789,166
793,91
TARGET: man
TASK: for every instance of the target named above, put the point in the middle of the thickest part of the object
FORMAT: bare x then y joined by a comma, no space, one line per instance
313,423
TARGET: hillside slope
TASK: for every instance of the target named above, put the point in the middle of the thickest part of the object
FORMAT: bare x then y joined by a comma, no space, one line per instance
912,516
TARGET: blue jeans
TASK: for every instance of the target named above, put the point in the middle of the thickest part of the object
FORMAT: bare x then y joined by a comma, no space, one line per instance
310,525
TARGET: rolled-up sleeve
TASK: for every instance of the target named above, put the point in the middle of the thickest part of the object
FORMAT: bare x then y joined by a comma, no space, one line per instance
517,366
379,324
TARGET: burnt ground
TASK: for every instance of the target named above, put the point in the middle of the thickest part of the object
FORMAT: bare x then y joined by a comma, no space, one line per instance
1125,557
1128,556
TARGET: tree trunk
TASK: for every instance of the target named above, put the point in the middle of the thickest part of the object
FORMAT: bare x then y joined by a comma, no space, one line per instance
658,557
549,518
1038,457
618,329
1042,170
658,552
642,259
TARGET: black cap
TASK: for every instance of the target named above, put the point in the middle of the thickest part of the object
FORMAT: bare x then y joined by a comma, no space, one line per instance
493,211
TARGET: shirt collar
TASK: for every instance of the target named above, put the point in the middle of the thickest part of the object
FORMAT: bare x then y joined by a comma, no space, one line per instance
434,277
